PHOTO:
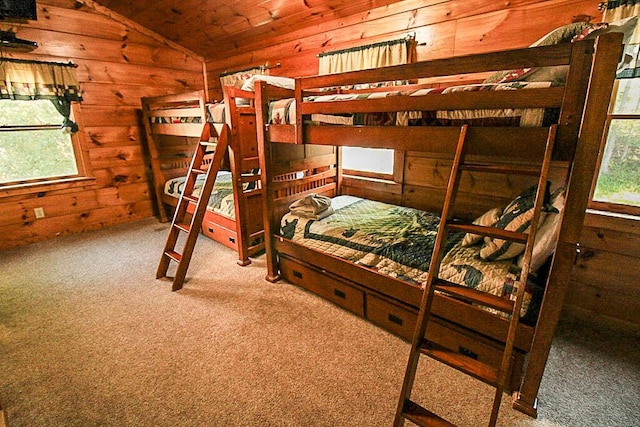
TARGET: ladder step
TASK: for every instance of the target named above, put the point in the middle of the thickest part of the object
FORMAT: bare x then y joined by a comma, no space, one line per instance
182,227
421,416
469,366
209,143
473,295
502,169
190,198
173,255
198,171
499,233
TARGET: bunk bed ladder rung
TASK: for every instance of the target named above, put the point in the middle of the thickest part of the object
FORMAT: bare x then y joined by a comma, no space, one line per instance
181,222
496,377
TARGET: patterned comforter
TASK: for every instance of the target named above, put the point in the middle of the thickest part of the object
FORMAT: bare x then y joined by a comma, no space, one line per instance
221,200
398,241
284,111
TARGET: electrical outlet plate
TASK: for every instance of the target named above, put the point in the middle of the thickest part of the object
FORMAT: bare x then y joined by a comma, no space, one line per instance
39,212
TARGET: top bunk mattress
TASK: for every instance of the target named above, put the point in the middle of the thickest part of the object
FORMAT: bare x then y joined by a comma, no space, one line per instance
398,242
284,111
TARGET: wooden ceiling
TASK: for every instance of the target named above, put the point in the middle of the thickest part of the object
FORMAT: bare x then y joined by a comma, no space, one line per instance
211,28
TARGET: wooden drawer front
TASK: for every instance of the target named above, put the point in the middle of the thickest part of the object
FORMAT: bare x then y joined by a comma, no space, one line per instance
334,290
220,234
401,321
392,317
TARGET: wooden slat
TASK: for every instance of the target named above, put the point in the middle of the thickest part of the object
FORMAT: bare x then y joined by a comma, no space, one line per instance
529,98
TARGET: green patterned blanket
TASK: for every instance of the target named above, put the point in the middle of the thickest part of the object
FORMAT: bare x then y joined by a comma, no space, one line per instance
398,242
221,200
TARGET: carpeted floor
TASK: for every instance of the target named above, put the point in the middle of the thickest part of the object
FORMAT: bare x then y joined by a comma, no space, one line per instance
88,337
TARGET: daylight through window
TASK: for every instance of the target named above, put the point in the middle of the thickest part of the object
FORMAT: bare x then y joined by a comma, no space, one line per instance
618,180
32,144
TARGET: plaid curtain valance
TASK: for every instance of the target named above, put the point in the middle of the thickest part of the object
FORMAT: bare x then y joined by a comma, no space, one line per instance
28,80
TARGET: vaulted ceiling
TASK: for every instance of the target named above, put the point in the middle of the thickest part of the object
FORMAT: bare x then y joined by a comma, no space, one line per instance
211,28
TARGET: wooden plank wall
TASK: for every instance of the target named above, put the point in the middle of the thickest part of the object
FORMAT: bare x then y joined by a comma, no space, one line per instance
117,65
600,288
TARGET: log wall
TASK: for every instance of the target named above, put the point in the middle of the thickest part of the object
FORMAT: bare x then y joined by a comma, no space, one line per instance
117,65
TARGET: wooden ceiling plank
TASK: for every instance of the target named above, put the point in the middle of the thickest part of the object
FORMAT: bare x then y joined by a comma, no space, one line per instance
144,30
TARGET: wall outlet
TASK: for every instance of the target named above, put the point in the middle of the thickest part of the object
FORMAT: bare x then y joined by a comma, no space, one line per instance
39,212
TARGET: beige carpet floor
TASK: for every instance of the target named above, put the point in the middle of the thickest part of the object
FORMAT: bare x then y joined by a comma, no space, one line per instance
88,337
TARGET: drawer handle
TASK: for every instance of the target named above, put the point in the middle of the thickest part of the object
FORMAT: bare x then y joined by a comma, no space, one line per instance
297,274
210,230
395,319
465,351
339,293
232,240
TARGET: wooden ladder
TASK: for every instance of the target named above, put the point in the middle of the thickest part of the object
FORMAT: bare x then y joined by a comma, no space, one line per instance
408,409
207,160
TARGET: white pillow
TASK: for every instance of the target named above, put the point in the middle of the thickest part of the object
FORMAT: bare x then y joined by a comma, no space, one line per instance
283,82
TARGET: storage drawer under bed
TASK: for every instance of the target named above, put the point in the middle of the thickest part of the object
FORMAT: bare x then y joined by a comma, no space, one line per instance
220,234
323,284
401,321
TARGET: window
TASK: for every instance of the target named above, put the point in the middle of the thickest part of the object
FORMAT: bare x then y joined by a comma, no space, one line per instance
372,162
37,100
32,144
617,187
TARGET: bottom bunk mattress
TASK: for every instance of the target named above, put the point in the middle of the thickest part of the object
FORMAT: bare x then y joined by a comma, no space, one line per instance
398,242
221,200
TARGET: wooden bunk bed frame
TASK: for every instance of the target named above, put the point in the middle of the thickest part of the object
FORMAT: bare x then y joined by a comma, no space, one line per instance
390,303
172,144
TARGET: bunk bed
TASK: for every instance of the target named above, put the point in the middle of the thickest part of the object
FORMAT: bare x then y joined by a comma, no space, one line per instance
173,125
303,130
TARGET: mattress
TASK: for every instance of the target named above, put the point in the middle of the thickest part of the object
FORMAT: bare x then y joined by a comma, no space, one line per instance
398,242
221,200
284,111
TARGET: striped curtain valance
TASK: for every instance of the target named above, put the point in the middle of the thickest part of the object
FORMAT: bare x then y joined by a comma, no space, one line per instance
381,54
28,80
619,10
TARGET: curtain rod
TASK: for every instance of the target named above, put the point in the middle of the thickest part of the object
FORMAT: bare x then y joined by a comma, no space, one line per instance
29,61
257,67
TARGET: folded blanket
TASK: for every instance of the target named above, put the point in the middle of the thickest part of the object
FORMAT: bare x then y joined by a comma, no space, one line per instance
323,214
312,204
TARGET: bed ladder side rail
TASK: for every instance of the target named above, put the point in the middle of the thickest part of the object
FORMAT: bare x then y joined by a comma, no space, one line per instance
410,410
191,224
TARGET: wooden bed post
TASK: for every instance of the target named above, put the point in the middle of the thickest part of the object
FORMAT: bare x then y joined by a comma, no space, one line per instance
608,50
262,113
235,159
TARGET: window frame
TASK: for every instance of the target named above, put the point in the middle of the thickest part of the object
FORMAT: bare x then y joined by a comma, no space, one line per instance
83,178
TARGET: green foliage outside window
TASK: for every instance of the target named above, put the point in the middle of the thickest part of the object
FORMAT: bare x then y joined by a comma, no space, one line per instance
32,154
619,176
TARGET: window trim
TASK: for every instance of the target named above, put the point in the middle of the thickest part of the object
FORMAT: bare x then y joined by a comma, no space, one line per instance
84,178
617,208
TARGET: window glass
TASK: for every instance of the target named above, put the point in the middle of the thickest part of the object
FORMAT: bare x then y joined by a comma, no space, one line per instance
619,175
618,181
376,160
32,145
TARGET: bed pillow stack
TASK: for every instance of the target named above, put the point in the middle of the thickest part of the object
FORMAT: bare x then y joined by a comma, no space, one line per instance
517,217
